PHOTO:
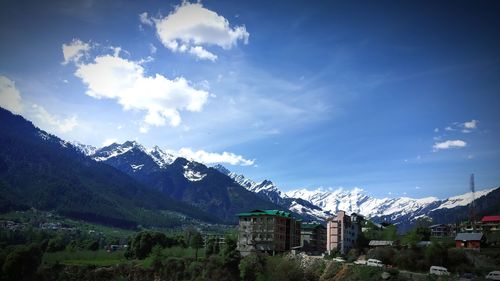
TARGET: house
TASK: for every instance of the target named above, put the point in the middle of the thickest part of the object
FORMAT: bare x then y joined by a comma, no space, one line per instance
490,223
440,230
381,243
270,231
469,240
313,238
342,232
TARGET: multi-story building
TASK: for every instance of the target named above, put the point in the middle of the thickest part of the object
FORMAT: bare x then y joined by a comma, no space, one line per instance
313,238
440,230
271,231
342,232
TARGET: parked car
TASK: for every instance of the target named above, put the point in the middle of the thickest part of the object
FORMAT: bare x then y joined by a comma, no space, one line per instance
362,262
494,275
374,262
469,275
338,259
438,270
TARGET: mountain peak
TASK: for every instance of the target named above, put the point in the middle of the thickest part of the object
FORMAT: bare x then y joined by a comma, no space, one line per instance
222,169
161,158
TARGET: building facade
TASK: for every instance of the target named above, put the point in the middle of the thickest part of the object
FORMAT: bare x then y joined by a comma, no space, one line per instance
342,232
490,223
441,230
469,241
270,231
313,238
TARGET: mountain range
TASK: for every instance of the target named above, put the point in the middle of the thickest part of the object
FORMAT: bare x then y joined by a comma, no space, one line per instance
127,185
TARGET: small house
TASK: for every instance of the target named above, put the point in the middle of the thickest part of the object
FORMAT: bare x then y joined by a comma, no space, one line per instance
469,240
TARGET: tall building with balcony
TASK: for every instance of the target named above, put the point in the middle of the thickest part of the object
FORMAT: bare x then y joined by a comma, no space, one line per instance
313,238
342,232
270,231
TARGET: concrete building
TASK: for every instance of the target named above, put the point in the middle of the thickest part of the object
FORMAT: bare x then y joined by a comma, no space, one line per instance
271,231
490,223
313,238
469,240
342,232
440,230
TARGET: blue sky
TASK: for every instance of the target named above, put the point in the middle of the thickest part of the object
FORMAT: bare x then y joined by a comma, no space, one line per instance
394,98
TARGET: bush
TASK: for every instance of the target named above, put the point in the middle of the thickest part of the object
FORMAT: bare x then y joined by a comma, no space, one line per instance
252,266
22,263
384,254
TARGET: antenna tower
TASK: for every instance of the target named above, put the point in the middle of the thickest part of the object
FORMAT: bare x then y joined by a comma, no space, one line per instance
472,210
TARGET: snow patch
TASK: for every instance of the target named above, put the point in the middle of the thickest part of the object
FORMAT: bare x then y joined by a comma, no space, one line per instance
136,167
192,175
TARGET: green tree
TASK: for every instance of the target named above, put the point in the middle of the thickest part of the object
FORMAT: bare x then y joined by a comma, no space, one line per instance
436,254
230,255
55,244
196,242
22,263
252,266
212,247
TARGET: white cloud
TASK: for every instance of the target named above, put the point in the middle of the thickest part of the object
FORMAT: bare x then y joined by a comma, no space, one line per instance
152,49
449,144
471,124
74,51
144,18
211,157
202,54
108,141
52,122
113,77
10,97
449,128
191,25
436,130
417,187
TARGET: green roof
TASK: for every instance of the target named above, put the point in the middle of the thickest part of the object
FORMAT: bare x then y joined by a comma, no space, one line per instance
266,213
312,225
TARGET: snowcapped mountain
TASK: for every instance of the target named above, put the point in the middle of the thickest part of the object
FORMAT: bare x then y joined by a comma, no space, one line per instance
85,149
355,201
269,191
265,188
144,164
181,179
321,203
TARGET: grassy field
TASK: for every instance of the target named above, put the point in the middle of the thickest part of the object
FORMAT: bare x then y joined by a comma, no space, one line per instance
97,258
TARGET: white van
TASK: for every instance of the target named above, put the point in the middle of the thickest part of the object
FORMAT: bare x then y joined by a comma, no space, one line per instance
374,262
438,270
494,275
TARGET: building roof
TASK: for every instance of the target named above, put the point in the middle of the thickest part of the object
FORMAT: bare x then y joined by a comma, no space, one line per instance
381,243
424,243
437,225
312,225
491,219
469,237
265,213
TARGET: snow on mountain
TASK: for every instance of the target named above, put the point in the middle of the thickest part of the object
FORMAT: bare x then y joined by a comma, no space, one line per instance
355,201
136,167
161,157
115,150
86,149
462,200
322,203
191,174
267,189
